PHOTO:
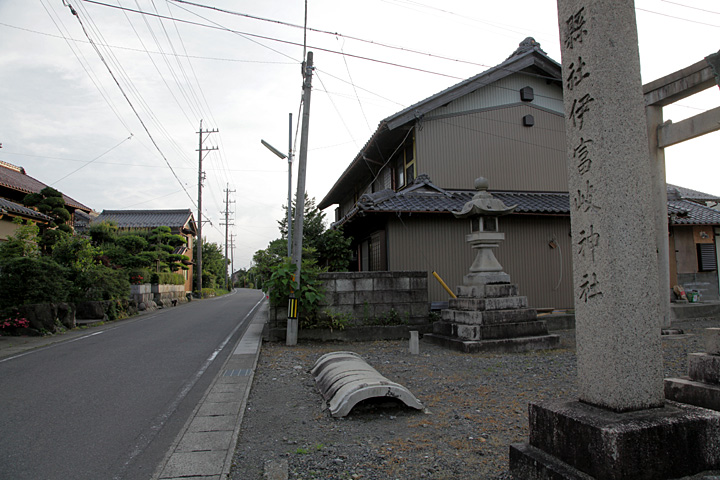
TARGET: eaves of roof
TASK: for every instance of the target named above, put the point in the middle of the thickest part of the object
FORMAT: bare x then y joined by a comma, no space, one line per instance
14,209
685,212
534,57
675,191
181,219
680,212
16,179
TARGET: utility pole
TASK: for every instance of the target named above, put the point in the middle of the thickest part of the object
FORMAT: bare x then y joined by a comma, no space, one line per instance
227,224
232,257
201,177
289,216
292,326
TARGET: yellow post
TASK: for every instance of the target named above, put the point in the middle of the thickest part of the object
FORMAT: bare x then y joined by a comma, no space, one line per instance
444,285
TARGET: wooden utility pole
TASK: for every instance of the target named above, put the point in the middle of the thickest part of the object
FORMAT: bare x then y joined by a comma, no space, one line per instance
227,224
201,177
292,326
232,257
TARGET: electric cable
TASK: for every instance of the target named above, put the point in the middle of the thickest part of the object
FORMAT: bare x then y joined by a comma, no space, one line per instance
152,139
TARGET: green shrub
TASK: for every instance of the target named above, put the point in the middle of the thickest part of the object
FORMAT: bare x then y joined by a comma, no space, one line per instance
100,283
167,278
138,276
32,280
311,292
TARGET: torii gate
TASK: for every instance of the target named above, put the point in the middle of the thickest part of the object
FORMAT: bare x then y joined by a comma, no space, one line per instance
658,94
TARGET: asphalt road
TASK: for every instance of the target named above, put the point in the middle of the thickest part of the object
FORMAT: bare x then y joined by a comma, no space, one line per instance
109,404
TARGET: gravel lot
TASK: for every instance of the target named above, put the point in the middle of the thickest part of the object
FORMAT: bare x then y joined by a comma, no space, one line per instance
476,406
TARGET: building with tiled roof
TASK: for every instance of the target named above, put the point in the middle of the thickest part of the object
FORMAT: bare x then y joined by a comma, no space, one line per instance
9,211
180,222
15,183
505,124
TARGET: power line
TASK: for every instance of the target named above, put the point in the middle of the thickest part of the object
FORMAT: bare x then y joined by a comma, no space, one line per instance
152,139
265,37
335,34
91,161
688,6
87,68
130,49
677,18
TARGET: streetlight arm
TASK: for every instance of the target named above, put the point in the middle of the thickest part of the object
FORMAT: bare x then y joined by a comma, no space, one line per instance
273,149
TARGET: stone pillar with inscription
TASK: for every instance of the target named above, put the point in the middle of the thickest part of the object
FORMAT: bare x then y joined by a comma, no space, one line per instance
621,427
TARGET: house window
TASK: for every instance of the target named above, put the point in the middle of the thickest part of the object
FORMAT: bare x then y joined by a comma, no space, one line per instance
707,261
406,165
372,251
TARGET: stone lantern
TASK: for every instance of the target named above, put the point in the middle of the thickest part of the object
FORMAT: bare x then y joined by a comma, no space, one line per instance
489,314
483,211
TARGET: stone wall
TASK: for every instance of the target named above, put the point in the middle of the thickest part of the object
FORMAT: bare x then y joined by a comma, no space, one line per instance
370,299
153,295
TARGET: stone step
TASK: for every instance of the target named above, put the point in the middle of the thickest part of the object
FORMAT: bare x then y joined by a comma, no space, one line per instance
490,332
480,304
492,317
493,290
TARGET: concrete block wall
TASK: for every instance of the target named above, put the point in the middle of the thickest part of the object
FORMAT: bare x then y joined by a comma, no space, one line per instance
370,297
146,293
166,294
141,293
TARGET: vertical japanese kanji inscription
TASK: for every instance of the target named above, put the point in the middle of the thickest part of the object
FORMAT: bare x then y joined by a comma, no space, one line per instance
614,259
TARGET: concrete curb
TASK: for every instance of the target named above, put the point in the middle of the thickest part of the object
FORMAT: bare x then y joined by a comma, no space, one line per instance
205,447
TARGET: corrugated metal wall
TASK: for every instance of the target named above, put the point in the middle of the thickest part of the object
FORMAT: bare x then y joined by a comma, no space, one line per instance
434,242
506,92
494,144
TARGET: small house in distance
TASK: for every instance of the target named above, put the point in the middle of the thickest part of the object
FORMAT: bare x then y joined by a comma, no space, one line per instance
181,222
506,124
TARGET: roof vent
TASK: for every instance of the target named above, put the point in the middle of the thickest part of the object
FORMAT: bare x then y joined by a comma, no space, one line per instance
527,94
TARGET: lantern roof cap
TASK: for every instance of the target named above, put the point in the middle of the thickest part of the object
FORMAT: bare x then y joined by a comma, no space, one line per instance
483,203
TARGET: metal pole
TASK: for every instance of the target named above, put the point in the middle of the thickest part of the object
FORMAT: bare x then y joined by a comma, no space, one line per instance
198,255
292,327
227,226
289,205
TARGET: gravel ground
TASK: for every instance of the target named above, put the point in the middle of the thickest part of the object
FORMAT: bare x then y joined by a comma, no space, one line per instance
476,406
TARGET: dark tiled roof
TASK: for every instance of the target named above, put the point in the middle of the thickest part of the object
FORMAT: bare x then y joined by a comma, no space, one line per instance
15,178
17,209
453,200
688,194
424,197
149,218
685,212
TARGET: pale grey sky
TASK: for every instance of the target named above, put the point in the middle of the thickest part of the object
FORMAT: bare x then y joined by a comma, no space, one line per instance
64,119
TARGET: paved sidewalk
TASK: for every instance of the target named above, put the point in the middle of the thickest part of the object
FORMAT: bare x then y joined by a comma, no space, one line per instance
204,449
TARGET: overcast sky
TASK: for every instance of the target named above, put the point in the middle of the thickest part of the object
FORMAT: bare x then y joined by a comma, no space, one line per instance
65,119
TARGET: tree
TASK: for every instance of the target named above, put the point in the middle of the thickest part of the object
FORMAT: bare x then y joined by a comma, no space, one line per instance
23,243
329,248
313,222
213,266
50,202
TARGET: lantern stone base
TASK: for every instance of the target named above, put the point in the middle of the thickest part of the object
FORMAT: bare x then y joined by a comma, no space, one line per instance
574,440
480,279
491,318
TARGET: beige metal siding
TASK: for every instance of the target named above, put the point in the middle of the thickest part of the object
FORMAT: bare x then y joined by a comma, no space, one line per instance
494,144
506,92
437,243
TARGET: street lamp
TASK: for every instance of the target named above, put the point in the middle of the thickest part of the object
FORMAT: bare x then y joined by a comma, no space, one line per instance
289,205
